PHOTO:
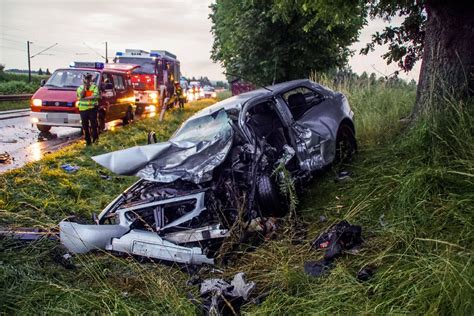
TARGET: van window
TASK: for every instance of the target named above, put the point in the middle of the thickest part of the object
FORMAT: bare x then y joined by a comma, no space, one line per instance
118,81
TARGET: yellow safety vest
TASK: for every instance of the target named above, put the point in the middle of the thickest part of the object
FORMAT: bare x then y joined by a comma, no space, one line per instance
88,104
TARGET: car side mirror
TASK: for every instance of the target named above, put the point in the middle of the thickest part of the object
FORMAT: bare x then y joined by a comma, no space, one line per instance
42,82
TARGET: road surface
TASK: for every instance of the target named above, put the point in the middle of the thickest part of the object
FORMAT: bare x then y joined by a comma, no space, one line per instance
24,143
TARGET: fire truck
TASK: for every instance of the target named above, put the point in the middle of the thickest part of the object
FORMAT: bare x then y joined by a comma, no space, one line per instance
158,71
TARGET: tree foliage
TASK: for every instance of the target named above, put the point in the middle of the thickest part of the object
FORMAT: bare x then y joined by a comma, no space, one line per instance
405,42
267,41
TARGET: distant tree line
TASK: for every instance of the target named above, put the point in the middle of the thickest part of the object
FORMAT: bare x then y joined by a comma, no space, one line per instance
25,71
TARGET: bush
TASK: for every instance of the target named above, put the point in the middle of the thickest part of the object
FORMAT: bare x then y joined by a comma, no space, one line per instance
17,87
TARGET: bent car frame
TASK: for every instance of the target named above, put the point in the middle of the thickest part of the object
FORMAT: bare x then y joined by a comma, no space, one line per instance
220,169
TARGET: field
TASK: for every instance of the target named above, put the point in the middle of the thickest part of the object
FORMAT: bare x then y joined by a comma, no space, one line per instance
412,191
12,83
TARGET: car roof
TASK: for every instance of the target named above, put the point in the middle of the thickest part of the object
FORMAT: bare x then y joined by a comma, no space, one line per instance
235,102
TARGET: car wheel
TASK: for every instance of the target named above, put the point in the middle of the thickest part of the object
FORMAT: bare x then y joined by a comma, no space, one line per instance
269,198
128,117
43,128
346,144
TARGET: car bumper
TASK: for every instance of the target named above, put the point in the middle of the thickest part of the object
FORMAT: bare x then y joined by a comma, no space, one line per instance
56,119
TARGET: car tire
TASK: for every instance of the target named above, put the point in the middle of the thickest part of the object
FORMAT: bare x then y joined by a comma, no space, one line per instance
346,144
43,128
269,198
128,117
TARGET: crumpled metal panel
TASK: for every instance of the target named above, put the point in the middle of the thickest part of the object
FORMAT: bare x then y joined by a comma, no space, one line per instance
189,157
149,244
79,238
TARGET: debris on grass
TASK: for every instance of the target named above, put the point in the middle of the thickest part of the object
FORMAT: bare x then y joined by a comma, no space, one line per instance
365,273
343,176
318,268
339,238
222,298
70,168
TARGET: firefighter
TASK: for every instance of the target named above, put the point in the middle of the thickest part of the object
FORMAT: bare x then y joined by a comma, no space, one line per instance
179,94
88,103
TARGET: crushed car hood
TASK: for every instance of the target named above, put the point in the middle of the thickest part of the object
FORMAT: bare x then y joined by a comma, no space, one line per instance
191,155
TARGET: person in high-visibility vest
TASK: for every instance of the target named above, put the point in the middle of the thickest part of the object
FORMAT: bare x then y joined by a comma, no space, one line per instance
88,103
179,94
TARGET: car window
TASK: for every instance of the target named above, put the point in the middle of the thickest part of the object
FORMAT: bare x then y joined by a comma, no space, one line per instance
301,99
118,81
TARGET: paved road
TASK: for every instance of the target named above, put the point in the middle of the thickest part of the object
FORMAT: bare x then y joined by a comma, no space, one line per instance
24,143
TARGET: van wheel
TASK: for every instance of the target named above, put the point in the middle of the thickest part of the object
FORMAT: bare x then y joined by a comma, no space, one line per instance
43,128
128,117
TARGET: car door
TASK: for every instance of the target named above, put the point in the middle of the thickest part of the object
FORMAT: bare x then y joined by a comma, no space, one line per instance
308,134
121,103
107,97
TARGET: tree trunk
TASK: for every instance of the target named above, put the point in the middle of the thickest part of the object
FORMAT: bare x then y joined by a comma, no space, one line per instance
447,69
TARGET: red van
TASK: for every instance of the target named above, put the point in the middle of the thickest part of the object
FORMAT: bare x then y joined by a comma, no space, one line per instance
53,104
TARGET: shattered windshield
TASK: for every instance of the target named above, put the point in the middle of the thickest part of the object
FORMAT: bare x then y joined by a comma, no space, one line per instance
204,128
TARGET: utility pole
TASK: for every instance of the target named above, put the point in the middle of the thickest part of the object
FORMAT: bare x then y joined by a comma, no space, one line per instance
106,55
29,59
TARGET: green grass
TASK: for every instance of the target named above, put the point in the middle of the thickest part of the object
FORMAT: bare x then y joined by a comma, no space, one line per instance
12,83
416,180
14,105
222,95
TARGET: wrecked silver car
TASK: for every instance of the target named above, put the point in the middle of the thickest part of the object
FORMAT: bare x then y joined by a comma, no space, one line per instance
222,168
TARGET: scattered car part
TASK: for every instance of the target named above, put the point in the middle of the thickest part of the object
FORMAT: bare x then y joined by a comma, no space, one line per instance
365,273
342,176
338,238
223,298
318,268
70,168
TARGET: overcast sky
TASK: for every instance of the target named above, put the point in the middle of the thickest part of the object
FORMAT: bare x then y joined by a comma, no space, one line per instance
81,27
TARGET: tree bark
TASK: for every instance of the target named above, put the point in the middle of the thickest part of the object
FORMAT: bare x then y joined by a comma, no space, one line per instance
447,69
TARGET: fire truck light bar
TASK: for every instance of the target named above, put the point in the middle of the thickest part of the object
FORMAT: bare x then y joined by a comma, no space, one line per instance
81,64
119,54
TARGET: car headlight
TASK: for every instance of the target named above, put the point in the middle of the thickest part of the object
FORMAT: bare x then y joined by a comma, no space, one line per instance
153,95
213,95
37,102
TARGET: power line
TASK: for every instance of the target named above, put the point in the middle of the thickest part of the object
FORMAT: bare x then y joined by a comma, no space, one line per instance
92,49
44,50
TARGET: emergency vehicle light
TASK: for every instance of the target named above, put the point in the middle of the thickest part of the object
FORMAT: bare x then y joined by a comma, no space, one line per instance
81,64
154,55
119,54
